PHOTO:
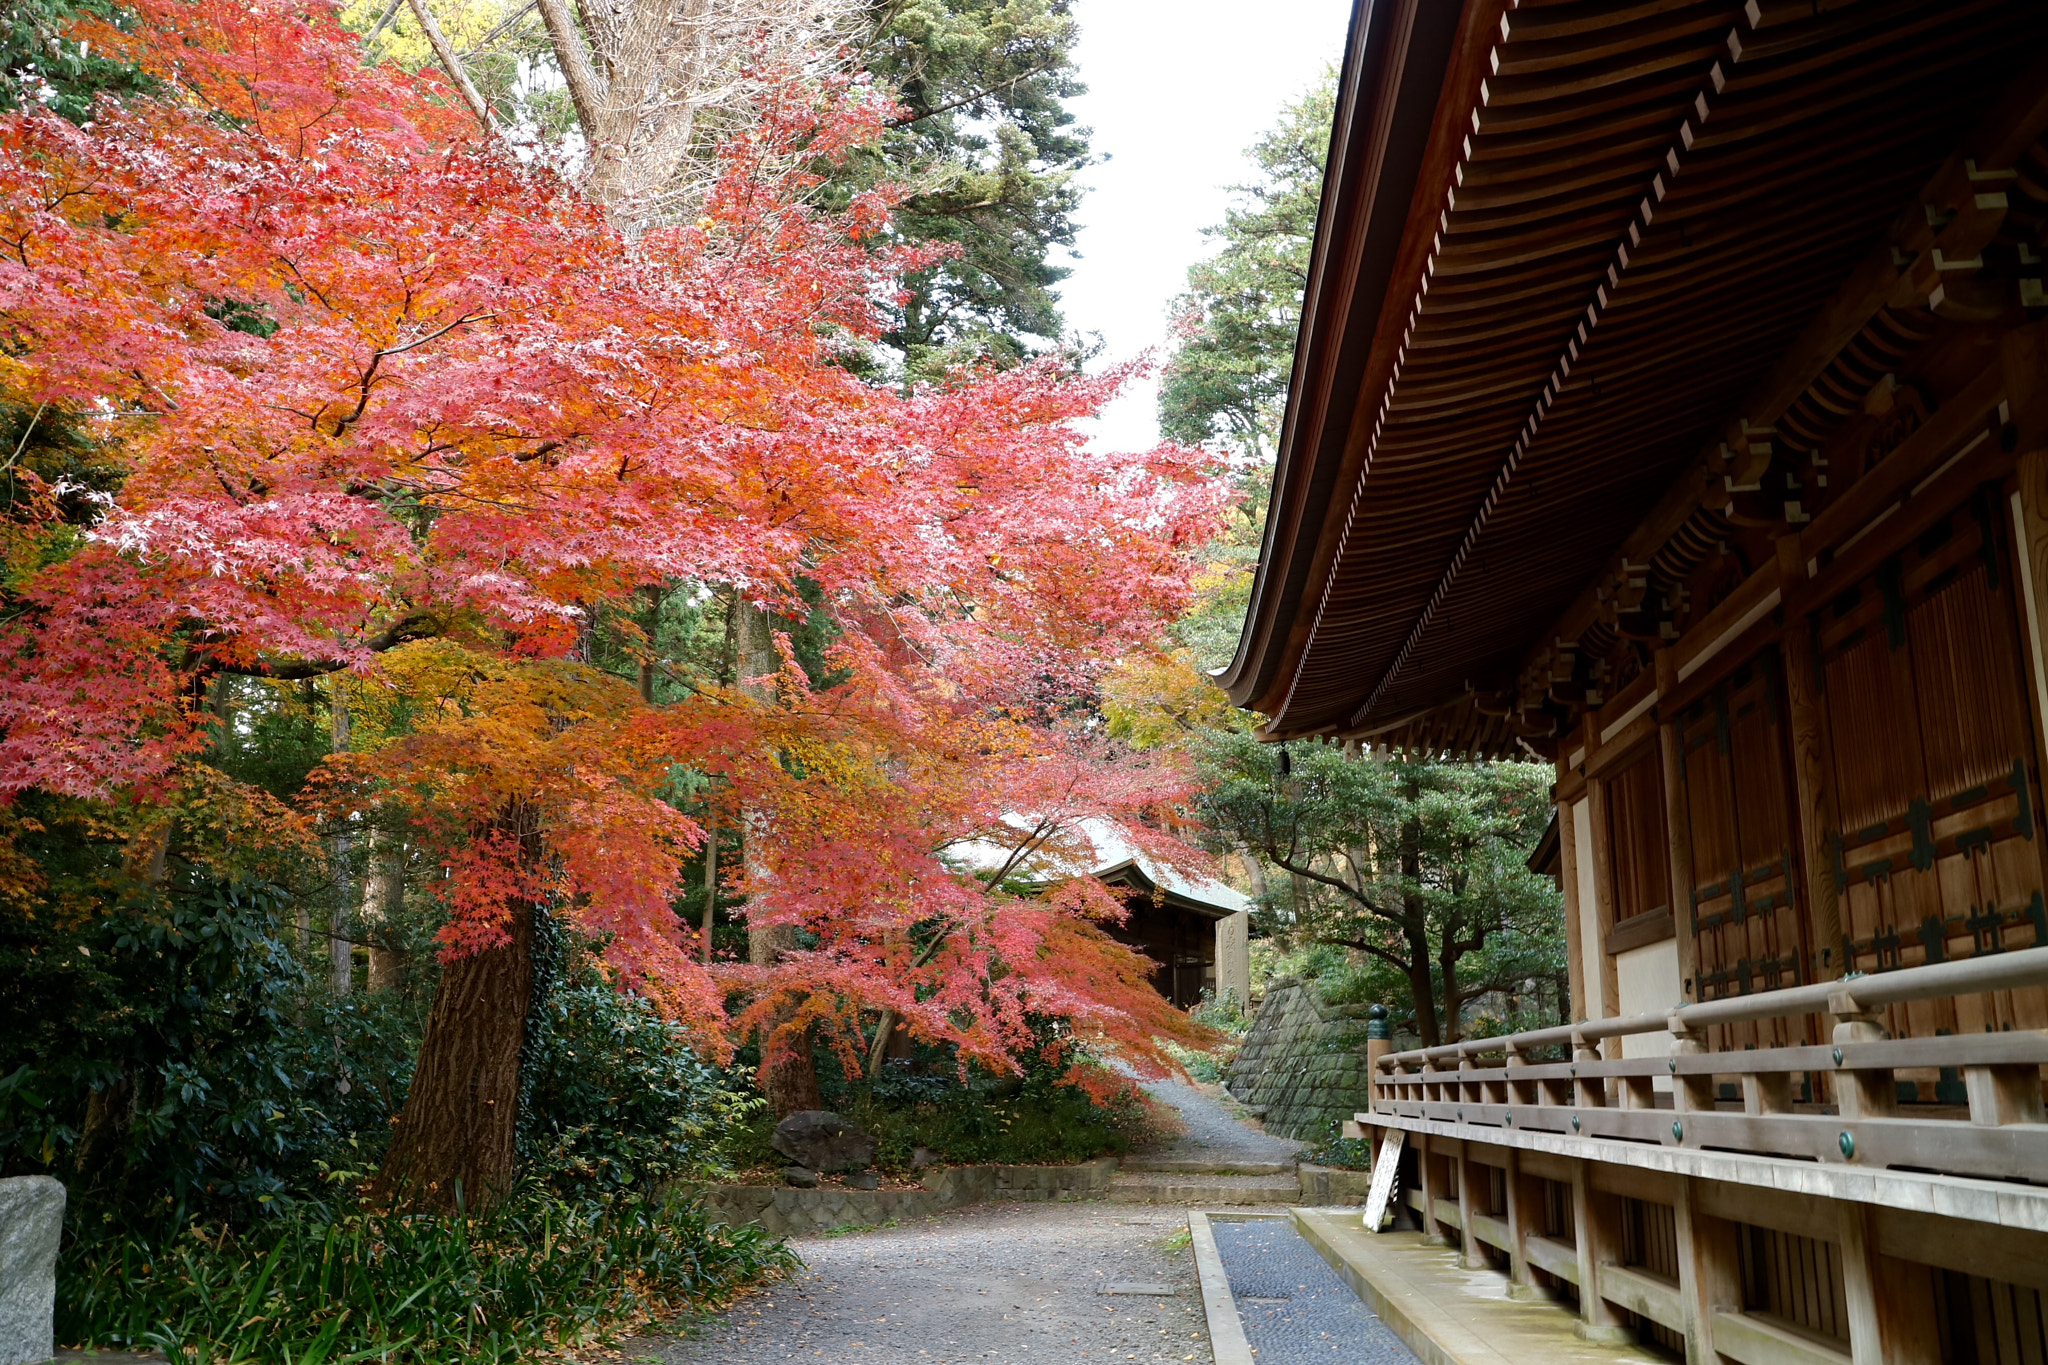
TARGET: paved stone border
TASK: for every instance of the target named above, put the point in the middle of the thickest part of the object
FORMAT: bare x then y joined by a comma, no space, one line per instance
1226,1330
1445,1314
790,1212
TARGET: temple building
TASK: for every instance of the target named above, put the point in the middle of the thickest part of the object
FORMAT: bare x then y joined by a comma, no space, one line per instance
1671,406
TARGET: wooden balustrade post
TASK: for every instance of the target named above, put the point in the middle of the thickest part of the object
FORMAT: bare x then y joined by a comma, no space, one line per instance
1596,1232
1425,1165
1860,1094
1709,1271
1379,1041
2004,1094
1889,1302
1767,1093
1588,1091
1690,1092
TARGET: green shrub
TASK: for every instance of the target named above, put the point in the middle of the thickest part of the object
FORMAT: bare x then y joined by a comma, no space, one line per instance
537,1273
974,1118
614,1097
1349,1154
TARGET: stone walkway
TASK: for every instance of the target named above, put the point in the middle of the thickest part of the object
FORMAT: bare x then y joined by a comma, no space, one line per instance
992,1284
999,1283
1295,1309
1215,1137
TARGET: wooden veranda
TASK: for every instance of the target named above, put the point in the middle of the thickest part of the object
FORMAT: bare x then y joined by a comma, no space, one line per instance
1671,406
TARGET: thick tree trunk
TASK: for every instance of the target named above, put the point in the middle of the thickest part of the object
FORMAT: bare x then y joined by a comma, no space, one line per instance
456,1138
1453,1025
1425,994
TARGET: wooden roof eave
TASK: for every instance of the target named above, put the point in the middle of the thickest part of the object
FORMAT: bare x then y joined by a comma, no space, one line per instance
1390,154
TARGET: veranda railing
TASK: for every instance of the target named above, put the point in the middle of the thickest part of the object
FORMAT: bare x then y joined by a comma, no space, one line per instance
2001,1131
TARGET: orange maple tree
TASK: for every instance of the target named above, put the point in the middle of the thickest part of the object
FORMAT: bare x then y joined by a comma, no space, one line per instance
384,397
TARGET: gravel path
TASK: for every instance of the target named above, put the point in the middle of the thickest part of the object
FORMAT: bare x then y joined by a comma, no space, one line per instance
990,1283
1213,1131
1294,1309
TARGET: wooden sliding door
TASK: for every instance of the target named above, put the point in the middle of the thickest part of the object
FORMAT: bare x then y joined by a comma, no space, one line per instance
1936,814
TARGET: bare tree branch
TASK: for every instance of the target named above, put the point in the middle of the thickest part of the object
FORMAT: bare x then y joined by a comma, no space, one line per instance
452,64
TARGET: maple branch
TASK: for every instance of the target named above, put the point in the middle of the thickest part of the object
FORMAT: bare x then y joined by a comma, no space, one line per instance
369,379
418,626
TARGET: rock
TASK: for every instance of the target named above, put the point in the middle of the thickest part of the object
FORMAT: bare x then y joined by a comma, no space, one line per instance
801,1178
31,1220
864,1180
922,1157
823,1141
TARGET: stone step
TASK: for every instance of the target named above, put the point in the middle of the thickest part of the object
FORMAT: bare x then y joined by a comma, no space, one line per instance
1204,1165
1167,1187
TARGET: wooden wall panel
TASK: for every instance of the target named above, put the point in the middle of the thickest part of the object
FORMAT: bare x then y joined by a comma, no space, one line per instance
1637,839
1936,845
1744,909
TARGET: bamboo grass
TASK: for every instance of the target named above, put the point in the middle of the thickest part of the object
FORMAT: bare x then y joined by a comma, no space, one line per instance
535,1275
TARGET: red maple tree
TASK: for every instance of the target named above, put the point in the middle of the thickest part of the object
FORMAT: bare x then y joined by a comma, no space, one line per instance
387,400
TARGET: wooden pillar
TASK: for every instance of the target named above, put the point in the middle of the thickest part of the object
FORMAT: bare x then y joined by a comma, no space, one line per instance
1598,959
1522,1205
1473,1257
1810,772
2030,550
1677,823
1426,1157
1596,1228
1890,1302
1574,950
1709,1272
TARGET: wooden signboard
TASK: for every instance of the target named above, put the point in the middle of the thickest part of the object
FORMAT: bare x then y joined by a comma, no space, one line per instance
1385,1168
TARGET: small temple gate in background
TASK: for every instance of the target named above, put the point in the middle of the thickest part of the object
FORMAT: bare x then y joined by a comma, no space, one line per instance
1671,406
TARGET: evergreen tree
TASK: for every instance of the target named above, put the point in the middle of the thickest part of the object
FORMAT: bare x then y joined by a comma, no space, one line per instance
1227,381
991,153
1419,866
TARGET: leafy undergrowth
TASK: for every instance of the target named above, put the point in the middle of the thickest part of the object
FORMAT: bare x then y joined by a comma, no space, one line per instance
537,1274
1349,1154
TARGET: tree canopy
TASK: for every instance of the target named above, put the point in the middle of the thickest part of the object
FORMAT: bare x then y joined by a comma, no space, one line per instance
1226,380
383,409
1418,865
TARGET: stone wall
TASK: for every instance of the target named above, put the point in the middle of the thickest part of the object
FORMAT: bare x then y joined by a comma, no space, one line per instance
1303,1063
790,1212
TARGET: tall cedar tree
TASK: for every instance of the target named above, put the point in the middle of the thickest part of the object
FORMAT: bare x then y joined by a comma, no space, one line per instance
383,399
1227,379
989,154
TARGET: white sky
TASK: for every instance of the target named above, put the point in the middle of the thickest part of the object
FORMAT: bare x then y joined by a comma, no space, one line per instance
1177,89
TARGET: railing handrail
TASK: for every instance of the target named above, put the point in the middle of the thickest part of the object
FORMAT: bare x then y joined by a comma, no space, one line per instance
1850,995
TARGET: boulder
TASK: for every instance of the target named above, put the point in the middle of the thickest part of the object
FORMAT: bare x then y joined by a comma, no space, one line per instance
864,1180
799,1177
823,1141
31,1220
